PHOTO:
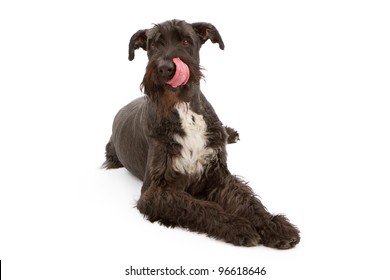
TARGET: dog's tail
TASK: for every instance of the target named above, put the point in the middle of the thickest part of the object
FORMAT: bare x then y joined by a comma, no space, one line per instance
112,160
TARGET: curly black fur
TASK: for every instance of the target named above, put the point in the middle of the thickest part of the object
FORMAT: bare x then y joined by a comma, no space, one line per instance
149,139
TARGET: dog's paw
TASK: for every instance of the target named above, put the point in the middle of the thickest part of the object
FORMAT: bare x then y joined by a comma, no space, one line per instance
242,233
279,233
233,136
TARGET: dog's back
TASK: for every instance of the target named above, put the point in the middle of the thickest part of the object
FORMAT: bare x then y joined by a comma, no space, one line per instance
128,130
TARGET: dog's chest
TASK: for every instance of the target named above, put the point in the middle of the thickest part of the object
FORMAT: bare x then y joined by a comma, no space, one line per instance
195,155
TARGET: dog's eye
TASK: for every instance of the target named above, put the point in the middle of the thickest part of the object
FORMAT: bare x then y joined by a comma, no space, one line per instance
155,45
186,42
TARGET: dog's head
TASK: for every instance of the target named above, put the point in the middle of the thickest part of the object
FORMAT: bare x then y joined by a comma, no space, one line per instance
173,51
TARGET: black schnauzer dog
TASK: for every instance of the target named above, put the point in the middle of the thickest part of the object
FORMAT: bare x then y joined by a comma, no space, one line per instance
173,141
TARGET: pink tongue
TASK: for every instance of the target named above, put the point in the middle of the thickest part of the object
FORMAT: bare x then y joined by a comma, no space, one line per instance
182,74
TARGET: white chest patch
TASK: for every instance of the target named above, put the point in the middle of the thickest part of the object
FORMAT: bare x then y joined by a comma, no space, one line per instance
194,153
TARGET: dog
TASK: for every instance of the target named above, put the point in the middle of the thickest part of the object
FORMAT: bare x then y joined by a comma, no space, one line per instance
174,142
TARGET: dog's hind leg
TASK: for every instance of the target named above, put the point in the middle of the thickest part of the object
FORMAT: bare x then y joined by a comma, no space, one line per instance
233,135
237,198
178,208
112,160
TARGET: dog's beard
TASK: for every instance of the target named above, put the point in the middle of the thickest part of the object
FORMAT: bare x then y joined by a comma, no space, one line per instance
155,87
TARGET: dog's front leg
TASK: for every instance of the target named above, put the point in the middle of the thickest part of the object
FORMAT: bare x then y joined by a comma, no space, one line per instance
237,198
173,208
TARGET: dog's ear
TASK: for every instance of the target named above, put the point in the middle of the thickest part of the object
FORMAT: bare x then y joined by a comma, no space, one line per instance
207,31
138,40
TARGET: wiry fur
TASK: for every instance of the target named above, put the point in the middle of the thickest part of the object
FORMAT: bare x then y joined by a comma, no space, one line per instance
173,140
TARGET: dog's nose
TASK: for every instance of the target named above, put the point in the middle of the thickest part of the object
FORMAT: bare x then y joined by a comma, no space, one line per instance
166,69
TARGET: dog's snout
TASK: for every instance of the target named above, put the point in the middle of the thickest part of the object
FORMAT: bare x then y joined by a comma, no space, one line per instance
166,69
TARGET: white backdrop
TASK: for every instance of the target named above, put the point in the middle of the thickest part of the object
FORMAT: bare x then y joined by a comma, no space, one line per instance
306,83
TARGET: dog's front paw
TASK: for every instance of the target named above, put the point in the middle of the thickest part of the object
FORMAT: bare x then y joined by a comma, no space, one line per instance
242,233
280,233
233,136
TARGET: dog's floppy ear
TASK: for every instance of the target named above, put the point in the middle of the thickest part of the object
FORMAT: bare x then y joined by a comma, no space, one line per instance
207,31
138,40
